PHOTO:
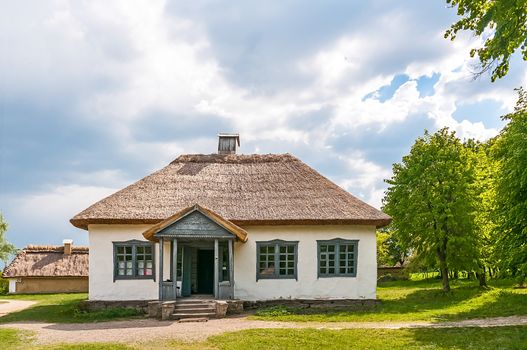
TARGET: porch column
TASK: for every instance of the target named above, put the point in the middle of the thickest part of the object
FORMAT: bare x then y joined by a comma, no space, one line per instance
174,267
161,246
216,268
231,264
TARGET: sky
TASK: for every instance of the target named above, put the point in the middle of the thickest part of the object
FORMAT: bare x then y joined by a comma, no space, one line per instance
95,95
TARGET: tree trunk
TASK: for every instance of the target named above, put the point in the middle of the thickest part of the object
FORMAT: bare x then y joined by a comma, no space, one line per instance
444,275
481,278
441,254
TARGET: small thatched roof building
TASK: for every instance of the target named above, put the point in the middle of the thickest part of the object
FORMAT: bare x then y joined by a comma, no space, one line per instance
272,189
232,226
49,269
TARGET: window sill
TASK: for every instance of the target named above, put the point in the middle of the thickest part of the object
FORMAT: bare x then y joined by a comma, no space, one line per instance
276,278
122,278
337,276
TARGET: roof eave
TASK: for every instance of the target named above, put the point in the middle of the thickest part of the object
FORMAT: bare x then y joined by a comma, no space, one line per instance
378,223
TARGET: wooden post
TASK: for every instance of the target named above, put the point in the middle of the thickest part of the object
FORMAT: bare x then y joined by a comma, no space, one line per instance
174,267
216,268
161,248
231,263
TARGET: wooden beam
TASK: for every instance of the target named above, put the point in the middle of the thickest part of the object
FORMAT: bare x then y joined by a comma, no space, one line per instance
161,258
231,263
216,268
174,267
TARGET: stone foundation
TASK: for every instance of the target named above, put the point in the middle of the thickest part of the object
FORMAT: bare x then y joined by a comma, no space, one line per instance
234,307
95,305
349,304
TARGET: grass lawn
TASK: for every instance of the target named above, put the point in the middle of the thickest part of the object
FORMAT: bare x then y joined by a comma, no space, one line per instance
13,338
400,301
63,308
420,300
416,338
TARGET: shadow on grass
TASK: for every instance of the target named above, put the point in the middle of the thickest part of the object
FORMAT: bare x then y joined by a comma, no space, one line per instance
67,311
465,301
417,301
492,303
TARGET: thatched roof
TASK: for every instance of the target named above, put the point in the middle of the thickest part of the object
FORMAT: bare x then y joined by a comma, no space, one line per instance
49,261
244,189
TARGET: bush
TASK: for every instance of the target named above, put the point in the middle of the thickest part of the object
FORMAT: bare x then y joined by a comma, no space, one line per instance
4,285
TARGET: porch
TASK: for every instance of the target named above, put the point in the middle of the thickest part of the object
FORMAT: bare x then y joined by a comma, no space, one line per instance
198,267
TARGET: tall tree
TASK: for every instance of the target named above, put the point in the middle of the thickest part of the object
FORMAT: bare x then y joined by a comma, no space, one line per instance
485,191
502,24
6,248
430,198
511,190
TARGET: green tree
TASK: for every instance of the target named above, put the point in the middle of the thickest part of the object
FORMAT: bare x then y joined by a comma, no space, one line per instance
485,193
511,190
502,25
431,200
6,248
391,250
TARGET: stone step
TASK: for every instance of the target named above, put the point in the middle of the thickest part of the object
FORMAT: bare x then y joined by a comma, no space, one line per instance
194,310
195,305
194,319
193,301
181,315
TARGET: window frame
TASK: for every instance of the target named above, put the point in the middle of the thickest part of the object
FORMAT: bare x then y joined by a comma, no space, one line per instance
337,242
133,244
276,243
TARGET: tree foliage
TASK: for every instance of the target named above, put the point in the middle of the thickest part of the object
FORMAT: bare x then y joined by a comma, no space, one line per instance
6,248
511,190
503,26
432,203
391,250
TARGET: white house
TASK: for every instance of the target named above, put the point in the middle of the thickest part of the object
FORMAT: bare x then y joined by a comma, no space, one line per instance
232,226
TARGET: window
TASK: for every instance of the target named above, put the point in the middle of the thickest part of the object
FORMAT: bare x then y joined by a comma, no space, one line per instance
133,260
276,259
224,275
337,258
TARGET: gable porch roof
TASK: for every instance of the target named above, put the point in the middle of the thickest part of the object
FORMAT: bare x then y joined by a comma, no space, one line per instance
237,231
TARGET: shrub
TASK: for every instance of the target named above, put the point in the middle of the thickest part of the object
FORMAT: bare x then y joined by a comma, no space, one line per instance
4,285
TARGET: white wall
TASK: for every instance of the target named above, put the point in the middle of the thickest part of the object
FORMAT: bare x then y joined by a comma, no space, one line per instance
308,286
102,285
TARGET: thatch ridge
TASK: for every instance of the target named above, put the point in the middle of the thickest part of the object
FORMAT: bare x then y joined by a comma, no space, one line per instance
49,261
270,189
234,158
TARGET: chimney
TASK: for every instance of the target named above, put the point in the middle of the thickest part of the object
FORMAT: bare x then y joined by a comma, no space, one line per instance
68,243
227,143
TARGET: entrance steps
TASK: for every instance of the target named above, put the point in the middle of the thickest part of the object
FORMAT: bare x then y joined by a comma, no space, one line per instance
194,309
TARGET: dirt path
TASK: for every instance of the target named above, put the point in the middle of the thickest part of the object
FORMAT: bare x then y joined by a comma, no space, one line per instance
8,306
148,330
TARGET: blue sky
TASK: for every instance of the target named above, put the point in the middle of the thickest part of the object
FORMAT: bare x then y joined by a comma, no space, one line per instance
95,95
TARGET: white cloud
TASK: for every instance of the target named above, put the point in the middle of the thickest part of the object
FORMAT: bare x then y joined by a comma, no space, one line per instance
113,63
45,215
